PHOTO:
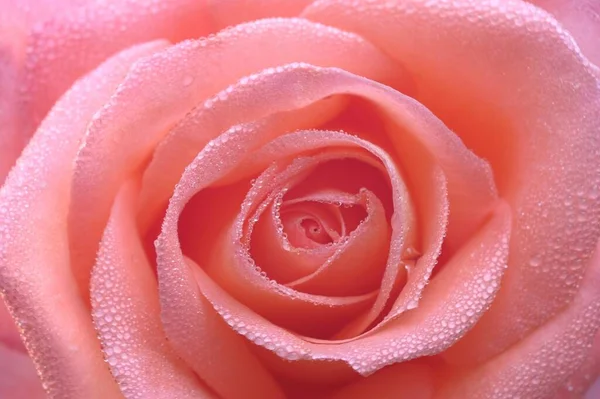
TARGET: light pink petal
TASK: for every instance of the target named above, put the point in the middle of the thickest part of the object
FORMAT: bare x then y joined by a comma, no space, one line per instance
126,314
403,227
76,39
18,377
536,367
143,110
581,18
36,274
498,90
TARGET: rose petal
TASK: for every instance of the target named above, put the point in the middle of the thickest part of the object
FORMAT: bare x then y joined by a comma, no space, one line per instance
9,335
581,19
35,277
581,383
358,265
126,314
18,377
77,39
470,187
537,366
141,112
500,93
230,265
16,20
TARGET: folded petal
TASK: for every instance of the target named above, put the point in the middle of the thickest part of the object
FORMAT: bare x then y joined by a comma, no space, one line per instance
127,130
36,274
126,313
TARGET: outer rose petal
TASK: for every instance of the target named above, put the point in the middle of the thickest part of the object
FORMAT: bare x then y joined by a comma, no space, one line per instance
18,378
581,18
536,367
489,70
35,271
16,19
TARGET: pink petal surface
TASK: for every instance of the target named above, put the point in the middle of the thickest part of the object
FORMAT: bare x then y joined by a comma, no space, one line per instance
542,143
128,128
36,274
9,334
539,365
126,314
18,377
581,19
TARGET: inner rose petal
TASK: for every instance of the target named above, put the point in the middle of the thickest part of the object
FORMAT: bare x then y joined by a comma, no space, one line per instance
547,136
234,269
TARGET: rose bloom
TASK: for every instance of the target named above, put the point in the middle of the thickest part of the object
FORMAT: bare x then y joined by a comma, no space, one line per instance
299,199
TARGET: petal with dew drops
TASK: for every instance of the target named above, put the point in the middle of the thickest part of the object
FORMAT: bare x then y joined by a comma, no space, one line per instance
16,21
62,48
127,130
36,274
542,144
126,313
539,365
478,273
581,18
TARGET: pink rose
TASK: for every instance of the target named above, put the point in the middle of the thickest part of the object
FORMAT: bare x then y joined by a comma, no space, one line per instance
300,199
